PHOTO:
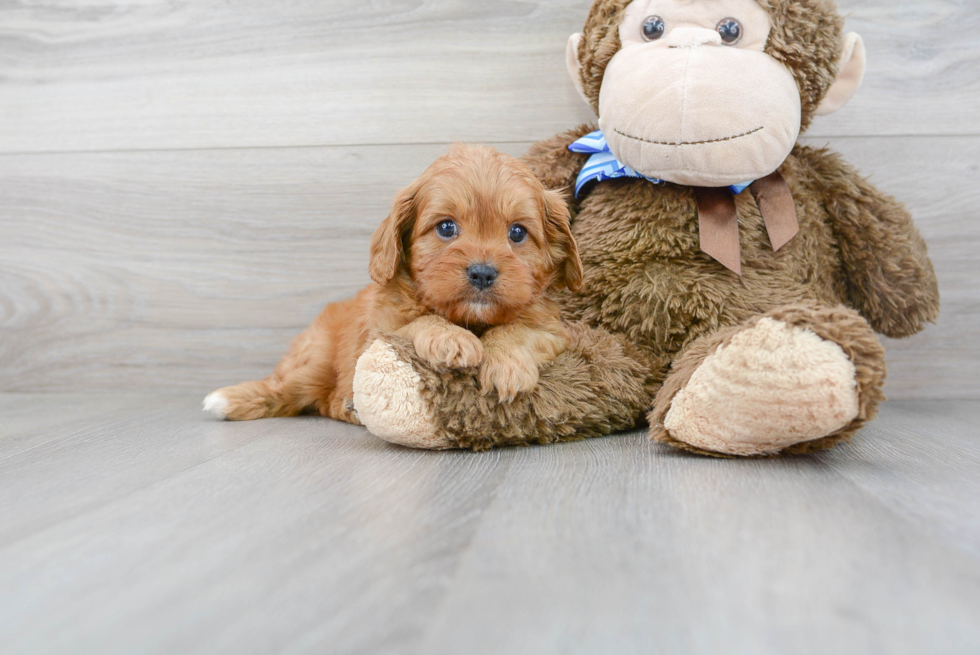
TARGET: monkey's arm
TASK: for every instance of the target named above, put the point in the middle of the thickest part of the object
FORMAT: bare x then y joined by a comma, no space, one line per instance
599,385
890,278
557,167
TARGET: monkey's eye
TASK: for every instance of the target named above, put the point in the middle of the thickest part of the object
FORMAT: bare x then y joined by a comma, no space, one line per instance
653,28
518,233
447,230
730,30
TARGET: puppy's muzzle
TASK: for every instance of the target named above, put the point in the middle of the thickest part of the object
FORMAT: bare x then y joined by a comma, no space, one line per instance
482,276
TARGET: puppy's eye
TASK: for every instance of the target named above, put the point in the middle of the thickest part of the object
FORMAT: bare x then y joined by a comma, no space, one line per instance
730,30
446,230
518,233
653,28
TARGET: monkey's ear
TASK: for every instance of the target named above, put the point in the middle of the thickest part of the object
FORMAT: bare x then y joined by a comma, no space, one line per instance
574,65
562,246
386,243
850,73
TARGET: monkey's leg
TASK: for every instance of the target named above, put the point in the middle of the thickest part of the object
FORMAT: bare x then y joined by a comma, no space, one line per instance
598,386
796,379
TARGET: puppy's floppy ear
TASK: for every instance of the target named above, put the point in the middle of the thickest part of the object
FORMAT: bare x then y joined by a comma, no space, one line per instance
387,243
561,244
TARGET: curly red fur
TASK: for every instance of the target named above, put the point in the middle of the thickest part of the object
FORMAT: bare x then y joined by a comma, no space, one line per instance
422,290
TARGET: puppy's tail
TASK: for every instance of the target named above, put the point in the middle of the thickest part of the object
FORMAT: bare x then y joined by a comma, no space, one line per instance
253,400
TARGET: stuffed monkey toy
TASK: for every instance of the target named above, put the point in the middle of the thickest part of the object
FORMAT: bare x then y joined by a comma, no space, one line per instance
734,278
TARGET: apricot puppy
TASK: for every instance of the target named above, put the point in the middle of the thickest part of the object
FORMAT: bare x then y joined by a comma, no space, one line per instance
460,267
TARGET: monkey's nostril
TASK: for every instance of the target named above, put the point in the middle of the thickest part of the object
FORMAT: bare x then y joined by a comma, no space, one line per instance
481,276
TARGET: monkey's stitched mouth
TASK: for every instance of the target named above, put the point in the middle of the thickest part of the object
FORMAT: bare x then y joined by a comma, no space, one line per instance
689,143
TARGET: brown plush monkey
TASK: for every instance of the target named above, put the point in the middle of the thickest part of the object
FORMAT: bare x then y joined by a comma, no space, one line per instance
738,322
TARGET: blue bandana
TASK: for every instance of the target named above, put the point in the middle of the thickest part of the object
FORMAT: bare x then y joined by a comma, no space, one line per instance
603,165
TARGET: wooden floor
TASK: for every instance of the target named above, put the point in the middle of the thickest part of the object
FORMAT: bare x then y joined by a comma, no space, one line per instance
134,524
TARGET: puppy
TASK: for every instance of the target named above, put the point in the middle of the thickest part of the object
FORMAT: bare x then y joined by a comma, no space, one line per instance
460,267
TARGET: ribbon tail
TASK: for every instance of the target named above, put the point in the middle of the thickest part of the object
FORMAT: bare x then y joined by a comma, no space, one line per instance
718,227
775,201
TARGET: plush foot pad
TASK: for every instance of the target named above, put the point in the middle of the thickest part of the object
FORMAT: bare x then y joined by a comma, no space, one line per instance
388,400
771,386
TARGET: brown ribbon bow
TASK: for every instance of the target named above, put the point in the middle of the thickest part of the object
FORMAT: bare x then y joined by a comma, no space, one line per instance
718,219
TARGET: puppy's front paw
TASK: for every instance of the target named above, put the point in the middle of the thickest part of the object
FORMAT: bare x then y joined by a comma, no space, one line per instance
508,374
456,348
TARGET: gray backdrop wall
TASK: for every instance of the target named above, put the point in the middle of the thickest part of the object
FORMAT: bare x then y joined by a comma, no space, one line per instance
183,185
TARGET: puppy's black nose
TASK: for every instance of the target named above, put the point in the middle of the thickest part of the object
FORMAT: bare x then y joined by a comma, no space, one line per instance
482,276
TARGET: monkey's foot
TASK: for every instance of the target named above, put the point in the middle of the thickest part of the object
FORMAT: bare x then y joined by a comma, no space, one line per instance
794,382
388,400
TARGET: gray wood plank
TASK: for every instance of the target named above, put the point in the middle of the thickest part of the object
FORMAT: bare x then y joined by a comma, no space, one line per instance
208,74
76,467
192,270
205,537
921,460
662,552
310,536
28,421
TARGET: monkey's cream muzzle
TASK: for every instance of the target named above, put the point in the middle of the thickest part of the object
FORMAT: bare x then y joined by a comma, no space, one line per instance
699,113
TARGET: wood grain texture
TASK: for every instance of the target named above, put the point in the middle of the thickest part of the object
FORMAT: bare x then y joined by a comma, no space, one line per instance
192,270
175,533
167,74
